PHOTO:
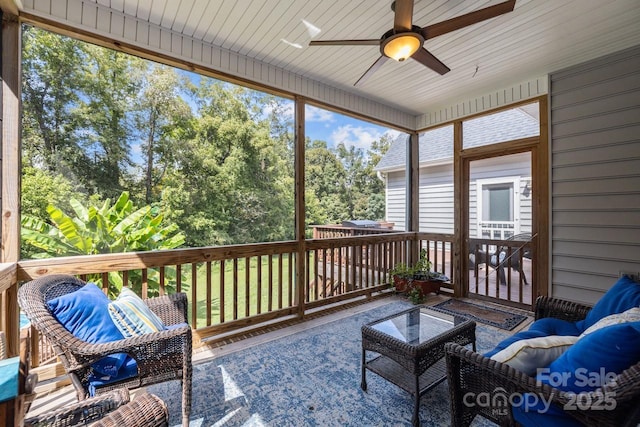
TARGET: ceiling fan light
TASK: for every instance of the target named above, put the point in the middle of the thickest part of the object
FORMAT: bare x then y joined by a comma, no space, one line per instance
402,46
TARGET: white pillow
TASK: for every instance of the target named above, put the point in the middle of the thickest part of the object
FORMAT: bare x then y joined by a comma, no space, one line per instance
631,315
529,355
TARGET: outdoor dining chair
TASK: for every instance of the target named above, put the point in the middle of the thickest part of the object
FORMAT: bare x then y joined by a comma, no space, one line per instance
504,257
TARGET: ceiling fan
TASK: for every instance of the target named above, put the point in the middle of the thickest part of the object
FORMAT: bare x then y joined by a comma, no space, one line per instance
406,40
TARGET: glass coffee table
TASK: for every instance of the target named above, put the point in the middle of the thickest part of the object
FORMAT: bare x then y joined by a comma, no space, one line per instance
410,349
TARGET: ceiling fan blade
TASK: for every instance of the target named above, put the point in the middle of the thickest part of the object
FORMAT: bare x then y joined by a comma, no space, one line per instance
404,15
425,57
371,70
363,42
462,21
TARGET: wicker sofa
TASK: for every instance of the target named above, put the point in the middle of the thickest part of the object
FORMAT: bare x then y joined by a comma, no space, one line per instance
471,374
159,356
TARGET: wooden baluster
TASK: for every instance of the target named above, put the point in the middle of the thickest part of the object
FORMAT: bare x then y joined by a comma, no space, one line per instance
209,292
247,286
194,295
144,288
179,278
280,283
292,257
222,291
270,273
316,275
259,281
235,288
161,284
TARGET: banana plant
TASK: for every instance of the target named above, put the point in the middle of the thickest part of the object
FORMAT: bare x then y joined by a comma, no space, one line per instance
103,229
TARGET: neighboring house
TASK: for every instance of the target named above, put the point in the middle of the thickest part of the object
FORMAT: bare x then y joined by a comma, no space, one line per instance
505,182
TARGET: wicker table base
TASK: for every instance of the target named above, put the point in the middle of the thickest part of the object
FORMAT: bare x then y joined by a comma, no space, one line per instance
410,349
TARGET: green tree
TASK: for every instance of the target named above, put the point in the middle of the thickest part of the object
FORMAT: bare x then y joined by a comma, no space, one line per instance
230,182
160,110
105,123
53,70
102,229
325,176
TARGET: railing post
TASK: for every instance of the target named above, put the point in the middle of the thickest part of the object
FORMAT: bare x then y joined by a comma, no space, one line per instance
299,142
413,193
10,248
459,255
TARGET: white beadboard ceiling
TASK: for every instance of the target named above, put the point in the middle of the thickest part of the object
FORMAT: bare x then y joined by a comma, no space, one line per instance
537,38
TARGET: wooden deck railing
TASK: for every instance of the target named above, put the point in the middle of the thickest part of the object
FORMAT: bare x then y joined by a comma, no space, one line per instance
235,287
508,270
439,249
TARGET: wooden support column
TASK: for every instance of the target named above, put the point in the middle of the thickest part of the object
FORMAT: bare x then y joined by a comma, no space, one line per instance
10,247
299,136
541,205
460,214
413,192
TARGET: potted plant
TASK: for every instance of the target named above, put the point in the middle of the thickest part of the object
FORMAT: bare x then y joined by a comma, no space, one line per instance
401,274
418,280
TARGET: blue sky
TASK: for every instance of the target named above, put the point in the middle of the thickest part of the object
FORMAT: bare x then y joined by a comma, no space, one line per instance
335,128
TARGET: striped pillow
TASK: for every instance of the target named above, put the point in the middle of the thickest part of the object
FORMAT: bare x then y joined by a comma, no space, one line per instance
132,316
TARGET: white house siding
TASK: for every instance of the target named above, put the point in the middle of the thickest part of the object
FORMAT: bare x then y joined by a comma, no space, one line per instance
595,149
436,193
396,199
517,165
436,199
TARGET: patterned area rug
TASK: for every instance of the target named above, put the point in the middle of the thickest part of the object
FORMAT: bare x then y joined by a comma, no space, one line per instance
491,316
310,378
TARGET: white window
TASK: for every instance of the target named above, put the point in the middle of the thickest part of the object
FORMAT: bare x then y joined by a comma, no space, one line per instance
498,210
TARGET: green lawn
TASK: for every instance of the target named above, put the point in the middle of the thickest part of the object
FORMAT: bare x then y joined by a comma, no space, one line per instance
277,298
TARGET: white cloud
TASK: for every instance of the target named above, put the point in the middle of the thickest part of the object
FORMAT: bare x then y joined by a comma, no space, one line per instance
393,133
288,109
315,114
358,136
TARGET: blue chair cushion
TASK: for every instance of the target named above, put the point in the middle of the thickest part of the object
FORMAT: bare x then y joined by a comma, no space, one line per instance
84,313
623,295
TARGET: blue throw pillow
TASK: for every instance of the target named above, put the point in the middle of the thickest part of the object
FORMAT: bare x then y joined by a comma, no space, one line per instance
591,362
595,359
623,295
553,326
84,313
527,417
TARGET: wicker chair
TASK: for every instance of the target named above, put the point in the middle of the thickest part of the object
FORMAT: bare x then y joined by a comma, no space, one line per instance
470,372
160,356
111,409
